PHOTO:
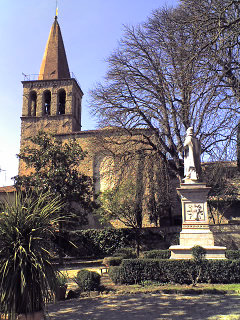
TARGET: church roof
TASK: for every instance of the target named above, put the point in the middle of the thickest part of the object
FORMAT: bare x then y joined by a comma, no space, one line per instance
7,189
54,63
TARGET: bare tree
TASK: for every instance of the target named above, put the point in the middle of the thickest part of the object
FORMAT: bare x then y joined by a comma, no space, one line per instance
153,83
133,163
217,24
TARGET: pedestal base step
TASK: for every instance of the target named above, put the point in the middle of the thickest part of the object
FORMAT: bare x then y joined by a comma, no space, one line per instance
184,252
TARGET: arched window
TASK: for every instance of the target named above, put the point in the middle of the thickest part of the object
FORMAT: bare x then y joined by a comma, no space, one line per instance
32,104
61,101
104,173
47,102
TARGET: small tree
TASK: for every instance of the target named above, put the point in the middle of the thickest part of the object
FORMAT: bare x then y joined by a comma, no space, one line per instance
53,166
120,203
195,271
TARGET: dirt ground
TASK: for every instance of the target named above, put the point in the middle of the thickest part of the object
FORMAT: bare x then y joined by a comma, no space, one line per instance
149,307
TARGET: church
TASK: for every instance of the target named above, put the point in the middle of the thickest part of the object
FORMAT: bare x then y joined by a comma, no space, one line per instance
52,103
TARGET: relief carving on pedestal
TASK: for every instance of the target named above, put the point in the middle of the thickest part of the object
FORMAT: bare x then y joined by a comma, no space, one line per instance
194,211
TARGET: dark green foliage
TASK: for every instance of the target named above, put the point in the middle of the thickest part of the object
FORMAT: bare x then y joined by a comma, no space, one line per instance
125,253
87,280
27,277
62,279
56,169
115,274
176,271
112,261
198,253
99,243
232,254
157,254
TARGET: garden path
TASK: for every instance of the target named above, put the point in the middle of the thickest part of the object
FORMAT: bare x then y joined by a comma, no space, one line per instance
148,307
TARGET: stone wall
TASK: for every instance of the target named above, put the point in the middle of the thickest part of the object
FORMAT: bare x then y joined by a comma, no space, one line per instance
226,235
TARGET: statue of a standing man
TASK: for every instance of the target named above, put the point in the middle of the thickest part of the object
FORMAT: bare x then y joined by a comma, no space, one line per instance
192,152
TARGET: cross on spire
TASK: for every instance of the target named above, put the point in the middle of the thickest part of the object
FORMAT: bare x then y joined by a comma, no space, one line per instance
56,14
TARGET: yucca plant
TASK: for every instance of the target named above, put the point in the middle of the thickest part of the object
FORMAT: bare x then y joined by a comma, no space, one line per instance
27,277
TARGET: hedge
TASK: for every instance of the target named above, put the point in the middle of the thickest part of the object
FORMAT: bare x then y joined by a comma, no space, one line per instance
125,253
112,261
176,271
232,254
157,254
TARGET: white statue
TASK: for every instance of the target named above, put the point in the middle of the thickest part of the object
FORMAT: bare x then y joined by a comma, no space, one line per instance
192,152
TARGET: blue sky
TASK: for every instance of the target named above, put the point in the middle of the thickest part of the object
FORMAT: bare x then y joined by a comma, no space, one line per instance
91,31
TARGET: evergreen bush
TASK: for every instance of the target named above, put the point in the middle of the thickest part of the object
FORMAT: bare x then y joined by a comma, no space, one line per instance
125,253
112,261
232,254
87,280
157,254
198,253
176,271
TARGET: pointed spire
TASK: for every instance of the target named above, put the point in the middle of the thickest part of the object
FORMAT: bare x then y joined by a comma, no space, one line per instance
54,63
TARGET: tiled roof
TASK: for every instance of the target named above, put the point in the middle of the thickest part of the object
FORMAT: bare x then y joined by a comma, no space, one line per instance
54,63
7,189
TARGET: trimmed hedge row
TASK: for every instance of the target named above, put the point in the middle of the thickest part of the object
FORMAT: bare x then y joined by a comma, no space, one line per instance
157,254
112,261
165,254
176,271
232,254
125,253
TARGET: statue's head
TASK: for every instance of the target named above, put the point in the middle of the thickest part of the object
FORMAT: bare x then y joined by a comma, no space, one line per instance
190,131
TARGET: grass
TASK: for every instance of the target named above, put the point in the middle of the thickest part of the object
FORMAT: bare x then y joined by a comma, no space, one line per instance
179,289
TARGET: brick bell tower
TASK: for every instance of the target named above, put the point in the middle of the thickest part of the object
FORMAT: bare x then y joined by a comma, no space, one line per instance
52,103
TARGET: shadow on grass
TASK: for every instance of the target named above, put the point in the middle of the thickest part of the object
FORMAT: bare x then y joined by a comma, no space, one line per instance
149,307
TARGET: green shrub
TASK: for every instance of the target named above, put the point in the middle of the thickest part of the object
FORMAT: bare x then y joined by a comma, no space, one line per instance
198,253
87,280
125,253
176,271
62,279
232,254
112,261
157,254
98,243
115,274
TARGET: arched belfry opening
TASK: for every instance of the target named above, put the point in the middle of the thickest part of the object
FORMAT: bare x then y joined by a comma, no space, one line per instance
61,101
47,102
32,104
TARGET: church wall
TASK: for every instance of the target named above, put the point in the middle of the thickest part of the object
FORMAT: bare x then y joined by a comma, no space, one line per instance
100,147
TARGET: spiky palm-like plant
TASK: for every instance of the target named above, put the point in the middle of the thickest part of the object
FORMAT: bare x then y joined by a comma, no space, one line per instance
27,278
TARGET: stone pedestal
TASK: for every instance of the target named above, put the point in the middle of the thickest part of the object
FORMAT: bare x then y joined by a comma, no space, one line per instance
195,223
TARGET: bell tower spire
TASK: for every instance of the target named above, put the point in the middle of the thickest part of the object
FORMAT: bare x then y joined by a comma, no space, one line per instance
54,64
